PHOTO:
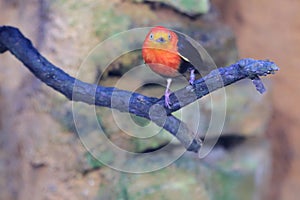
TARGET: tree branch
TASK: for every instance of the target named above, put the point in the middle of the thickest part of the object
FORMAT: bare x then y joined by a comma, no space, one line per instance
11,39
245,68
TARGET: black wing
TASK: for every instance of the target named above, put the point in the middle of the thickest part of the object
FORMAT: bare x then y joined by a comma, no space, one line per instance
190,56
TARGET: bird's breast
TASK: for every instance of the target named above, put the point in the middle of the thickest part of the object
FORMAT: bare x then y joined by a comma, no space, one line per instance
163,62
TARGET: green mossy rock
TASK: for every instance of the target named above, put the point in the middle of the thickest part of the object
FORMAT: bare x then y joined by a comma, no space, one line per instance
239,173
189,7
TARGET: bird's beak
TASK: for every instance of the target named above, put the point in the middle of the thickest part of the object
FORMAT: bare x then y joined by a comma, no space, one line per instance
160,40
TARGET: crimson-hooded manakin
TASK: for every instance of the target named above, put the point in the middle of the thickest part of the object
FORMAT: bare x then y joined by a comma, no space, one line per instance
171,54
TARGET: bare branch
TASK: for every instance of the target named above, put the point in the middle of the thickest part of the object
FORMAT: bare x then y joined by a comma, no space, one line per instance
245,68
11,39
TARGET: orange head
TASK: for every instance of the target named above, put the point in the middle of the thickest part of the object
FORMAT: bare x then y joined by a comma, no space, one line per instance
160,51
160,37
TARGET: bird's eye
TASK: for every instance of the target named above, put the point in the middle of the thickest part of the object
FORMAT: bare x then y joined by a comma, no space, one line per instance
169,36
151,36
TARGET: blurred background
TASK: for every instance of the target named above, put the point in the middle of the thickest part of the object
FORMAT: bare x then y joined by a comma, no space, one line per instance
41,156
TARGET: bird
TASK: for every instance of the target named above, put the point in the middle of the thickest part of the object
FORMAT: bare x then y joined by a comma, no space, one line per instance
170,54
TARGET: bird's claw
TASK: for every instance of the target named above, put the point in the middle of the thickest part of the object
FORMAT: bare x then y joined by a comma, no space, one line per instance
191,81
167,100
192,77
190,88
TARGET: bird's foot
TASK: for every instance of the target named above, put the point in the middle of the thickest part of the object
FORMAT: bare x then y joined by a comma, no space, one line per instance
192,77
190,88
167,99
